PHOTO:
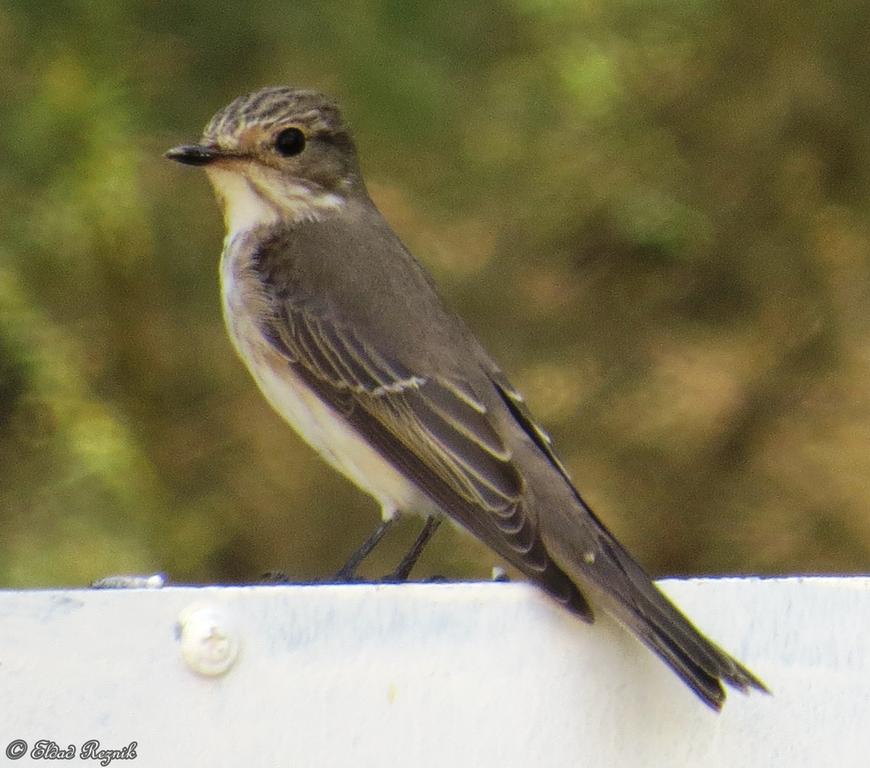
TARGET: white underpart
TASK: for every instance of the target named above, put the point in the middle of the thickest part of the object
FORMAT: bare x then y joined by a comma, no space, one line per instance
340,445
247,204
243,207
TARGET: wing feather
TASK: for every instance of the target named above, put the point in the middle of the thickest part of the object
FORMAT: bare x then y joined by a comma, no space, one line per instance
436,419
433,428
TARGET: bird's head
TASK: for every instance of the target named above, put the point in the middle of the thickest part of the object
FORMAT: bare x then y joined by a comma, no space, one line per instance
276,154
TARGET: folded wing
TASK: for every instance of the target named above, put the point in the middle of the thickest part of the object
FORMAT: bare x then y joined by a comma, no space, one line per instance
433,429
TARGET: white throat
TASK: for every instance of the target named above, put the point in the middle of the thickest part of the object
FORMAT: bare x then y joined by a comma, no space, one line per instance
247,207
243,207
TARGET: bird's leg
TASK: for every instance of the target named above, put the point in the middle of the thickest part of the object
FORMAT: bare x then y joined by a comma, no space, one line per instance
403,569
349,569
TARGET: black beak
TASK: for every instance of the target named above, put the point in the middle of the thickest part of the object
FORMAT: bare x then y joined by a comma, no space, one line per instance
194,154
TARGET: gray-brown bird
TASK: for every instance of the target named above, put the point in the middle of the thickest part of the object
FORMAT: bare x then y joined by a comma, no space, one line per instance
346,336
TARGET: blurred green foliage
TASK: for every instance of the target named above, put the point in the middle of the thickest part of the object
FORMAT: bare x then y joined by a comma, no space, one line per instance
654,214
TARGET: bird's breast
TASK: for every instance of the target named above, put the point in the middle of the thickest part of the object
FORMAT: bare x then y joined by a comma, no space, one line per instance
245,303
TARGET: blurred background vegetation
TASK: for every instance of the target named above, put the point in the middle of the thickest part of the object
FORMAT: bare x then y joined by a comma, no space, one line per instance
654,214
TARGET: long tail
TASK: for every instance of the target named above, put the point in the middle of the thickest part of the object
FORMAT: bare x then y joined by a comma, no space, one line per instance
628,592
657,622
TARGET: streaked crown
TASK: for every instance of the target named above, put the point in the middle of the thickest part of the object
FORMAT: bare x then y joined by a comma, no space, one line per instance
274,106
277,154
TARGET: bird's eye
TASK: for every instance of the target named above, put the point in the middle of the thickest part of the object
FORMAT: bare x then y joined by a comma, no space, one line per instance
290,142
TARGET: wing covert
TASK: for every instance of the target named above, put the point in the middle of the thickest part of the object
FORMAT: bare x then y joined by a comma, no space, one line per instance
440,421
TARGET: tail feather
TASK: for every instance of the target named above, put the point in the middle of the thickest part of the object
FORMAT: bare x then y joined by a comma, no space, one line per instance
704,684
657,623
706,678
625,590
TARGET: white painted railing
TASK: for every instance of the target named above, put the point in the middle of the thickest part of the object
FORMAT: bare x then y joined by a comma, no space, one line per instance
420,675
